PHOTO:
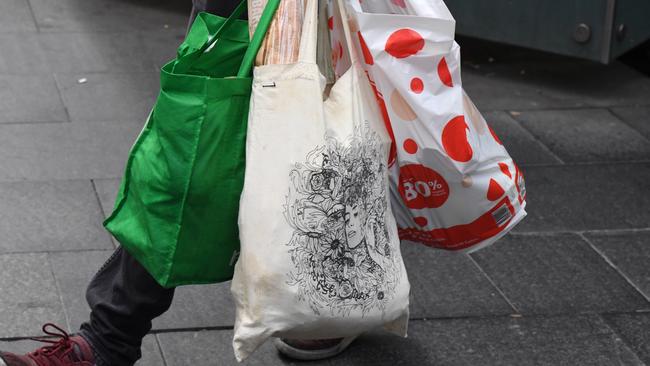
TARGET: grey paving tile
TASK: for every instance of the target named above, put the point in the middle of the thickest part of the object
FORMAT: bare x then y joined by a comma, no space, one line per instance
586,135
50,216
22,54
29,295
555,85
630,253
151,355
161,45
579,340
30,98
445,284
522,146
381,348
633,328
65,151
199,306
637,117
22,346
15,16
587,197
107,191
556,274
215,348
73,272
506,89
75,52
95,52
102,15
109,97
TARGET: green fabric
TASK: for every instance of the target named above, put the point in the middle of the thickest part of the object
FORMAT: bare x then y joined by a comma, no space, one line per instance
176,211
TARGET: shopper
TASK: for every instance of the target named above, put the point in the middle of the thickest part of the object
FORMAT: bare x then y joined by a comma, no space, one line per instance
124,299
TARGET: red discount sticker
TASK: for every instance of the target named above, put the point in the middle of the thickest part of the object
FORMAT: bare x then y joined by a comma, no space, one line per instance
422,187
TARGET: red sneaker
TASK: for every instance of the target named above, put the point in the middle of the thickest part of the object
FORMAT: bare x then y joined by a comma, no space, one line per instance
66,351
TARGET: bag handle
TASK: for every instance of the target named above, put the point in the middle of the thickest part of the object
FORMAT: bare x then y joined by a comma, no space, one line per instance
346,30
212,40
309,34
258,37
239,10
253,46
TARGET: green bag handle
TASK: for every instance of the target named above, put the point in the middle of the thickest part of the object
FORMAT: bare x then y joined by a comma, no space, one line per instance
231,19
256,42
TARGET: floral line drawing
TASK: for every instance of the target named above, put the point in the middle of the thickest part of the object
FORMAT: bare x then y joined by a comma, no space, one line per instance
341,247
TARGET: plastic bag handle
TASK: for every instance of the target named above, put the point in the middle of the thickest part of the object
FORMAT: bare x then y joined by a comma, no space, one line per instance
345,19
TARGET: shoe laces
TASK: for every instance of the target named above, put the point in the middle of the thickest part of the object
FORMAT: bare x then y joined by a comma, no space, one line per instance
56,353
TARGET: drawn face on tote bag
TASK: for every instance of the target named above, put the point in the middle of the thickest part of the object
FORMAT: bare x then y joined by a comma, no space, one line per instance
354,224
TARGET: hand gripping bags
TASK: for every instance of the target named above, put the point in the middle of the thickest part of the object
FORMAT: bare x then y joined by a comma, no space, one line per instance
176,211
320,254
454,186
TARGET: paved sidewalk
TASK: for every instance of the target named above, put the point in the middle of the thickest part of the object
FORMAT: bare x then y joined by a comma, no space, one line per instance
571,285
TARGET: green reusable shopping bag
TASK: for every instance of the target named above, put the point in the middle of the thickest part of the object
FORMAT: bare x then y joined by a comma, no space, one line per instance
177,208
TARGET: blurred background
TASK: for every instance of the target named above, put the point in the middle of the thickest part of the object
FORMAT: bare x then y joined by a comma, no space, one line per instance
565,84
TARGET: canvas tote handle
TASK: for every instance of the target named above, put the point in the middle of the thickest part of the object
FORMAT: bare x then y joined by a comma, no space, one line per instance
309,38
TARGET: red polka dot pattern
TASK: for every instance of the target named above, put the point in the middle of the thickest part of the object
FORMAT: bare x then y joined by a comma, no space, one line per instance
417,85
421,221
505,170
404,43
495,191
410,146
448,200
454,140
444,74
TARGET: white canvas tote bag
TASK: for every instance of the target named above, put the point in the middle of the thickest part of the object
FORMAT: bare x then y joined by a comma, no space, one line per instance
320,255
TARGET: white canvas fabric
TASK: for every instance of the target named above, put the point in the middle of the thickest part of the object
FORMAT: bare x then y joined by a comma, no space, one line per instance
320,254
454,186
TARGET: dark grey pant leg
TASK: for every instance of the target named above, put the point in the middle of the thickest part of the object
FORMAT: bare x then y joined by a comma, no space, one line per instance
123,299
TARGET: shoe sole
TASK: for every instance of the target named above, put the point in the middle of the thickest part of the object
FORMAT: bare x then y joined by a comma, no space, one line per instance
312,355
2,362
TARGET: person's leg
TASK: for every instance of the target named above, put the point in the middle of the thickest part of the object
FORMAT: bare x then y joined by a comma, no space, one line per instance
123,299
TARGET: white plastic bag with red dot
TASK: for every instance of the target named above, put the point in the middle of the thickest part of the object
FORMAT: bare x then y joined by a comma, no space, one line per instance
454,185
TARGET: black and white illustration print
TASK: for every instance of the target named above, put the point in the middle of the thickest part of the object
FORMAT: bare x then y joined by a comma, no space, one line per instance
341,248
